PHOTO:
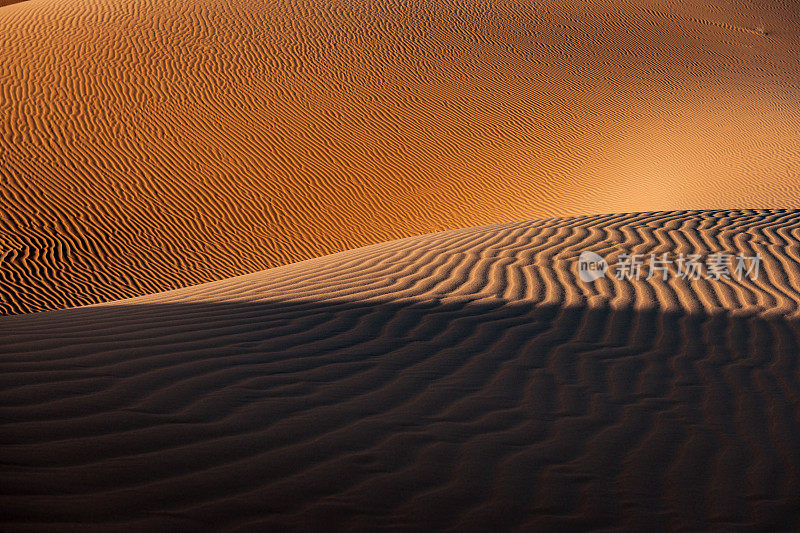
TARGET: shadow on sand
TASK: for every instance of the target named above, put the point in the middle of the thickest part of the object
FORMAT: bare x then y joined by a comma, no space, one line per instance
4,3
418,414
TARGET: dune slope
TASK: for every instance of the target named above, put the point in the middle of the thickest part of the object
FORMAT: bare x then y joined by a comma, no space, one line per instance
466,379
146,146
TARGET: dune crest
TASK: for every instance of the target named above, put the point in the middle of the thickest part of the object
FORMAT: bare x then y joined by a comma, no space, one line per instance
465,379
146,146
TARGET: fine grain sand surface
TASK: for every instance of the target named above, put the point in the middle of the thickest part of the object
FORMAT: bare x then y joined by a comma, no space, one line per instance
146,146
465,380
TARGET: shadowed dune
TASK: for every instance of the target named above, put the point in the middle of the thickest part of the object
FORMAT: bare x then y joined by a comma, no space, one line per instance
463,380
418,415
146,146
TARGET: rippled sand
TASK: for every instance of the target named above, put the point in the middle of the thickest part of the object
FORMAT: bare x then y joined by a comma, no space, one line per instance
146,146
465,380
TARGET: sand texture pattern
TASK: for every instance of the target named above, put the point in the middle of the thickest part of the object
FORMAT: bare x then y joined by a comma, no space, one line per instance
147,146
461,380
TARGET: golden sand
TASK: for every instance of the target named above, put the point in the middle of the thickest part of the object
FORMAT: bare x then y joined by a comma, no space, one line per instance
149,146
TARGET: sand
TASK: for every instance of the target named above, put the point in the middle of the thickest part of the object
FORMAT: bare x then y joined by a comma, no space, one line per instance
314,265
146,146
465,380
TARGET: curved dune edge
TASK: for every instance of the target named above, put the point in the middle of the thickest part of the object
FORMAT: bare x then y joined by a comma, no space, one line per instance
461,380
536,262
146,146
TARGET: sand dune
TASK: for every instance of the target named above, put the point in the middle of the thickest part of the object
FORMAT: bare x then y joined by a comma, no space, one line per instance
464,380
146,146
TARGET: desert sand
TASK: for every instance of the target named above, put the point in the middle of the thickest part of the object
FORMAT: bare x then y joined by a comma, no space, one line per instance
314,265
147,146
464,380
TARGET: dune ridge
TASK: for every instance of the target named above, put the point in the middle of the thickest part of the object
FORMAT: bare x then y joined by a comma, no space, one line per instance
146,146
459,380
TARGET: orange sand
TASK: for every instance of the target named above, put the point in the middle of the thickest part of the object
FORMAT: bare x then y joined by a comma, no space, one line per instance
147,146
461,380
465,380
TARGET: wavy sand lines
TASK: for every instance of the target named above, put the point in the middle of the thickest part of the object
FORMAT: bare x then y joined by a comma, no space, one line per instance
149,146
462,380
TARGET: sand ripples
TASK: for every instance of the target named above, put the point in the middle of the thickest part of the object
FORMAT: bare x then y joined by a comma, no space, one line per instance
146,146
464,380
